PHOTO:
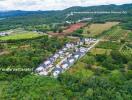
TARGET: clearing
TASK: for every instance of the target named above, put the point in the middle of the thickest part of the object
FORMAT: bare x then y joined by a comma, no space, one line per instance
69,29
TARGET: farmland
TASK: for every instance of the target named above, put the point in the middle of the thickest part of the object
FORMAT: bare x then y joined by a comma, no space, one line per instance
96,29
27,35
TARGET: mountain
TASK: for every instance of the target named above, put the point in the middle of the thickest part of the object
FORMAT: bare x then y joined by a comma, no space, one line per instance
111,7
28,18
21,13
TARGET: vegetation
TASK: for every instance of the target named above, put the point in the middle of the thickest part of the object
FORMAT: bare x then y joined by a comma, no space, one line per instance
94,30
105,73
27,35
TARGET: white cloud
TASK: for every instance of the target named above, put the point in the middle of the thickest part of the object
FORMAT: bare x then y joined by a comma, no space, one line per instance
53,4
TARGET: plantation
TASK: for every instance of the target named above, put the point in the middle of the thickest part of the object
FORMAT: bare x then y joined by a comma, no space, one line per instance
94,30
116,34
109,45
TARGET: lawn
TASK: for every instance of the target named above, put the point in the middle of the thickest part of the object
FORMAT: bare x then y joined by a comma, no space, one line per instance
27,35
94,30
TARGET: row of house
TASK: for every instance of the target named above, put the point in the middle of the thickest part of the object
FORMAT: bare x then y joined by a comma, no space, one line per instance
46,65
69,61
68,58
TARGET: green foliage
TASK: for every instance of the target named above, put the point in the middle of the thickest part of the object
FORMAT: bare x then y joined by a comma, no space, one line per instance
109,45
35,87
29,53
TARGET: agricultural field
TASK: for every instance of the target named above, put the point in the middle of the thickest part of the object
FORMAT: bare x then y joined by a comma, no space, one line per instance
96,51
17,36
94,30
116,34
109,45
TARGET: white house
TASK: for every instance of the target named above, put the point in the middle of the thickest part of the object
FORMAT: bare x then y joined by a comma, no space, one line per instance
82,49
71,60
64,49
43,73
48,62
76,56
70,45
39,69
60,52
65,66
56,56
57,71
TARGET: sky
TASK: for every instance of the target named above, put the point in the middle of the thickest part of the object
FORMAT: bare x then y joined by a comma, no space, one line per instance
33,5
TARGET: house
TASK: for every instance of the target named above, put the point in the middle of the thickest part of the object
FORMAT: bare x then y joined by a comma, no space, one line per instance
57,71
89,40
71,60
65,48
48,62
43,73
56,55
39,69
70,45
65,65
82,49
60,52
77,55
81,42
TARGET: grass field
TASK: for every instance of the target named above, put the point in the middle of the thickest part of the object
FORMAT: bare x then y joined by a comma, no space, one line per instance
95,51
96,29
116,33
79,70
26,35
109,45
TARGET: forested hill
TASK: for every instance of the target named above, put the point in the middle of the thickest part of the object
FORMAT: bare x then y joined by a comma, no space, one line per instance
14,19
125,7
22,13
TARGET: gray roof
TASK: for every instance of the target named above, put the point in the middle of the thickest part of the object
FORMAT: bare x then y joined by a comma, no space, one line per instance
58,69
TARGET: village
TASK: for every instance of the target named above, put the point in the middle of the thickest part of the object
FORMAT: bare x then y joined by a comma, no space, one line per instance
66,57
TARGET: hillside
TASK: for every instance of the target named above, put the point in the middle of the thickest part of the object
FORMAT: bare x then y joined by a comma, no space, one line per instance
25,18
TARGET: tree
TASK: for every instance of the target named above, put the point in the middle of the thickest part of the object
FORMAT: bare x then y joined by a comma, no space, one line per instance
130,65
60,30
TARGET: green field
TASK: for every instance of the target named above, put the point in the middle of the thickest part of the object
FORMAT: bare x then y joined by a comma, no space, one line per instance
109,45
27,35
116,33
96,29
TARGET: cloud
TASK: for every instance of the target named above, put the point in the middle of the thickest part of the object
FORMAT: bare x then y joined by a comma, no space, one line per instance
53,4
